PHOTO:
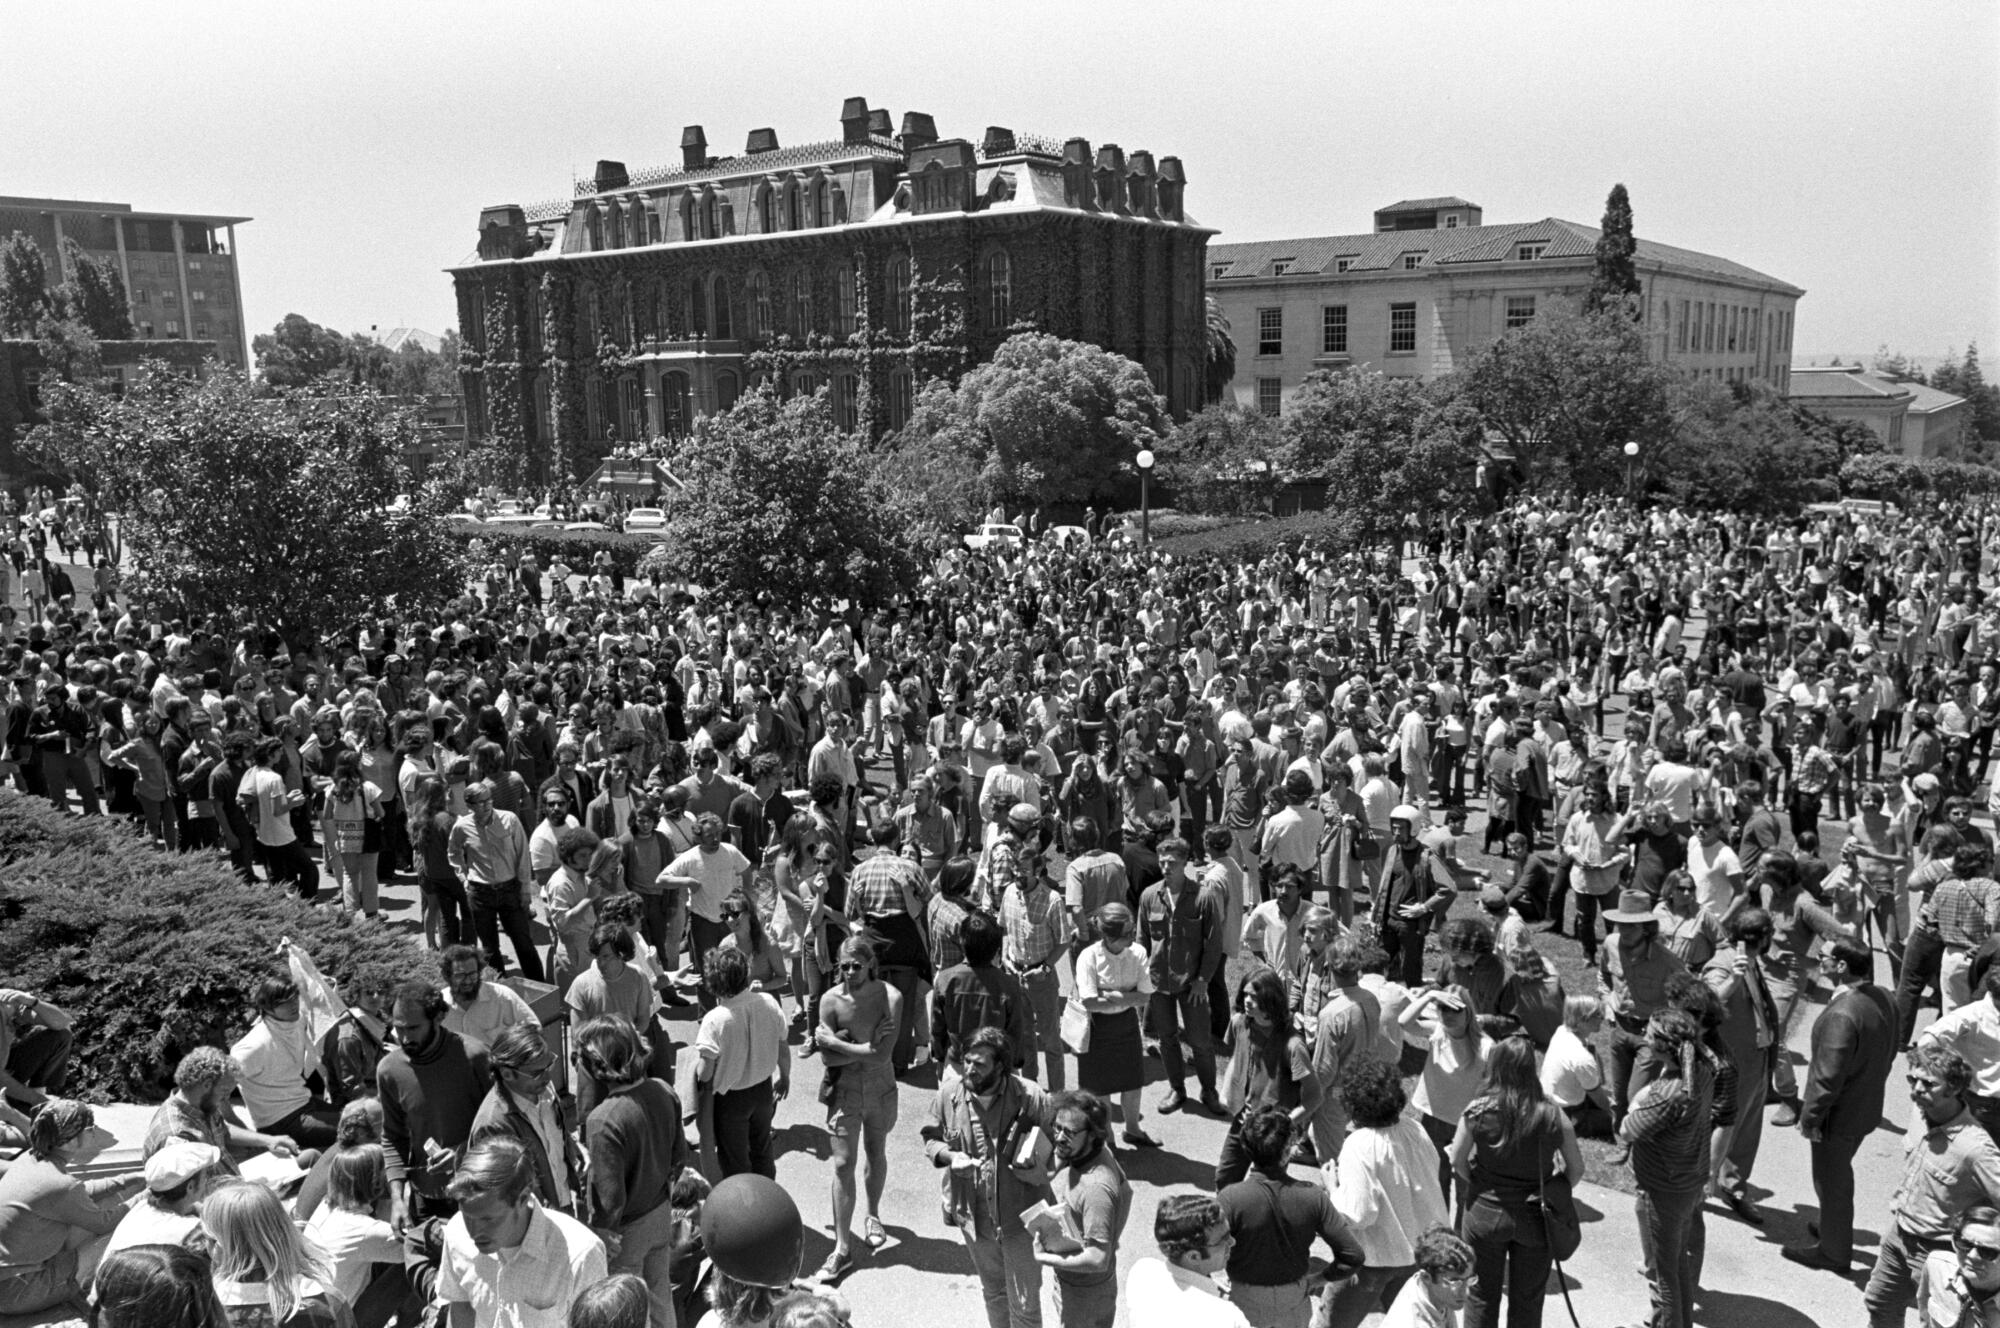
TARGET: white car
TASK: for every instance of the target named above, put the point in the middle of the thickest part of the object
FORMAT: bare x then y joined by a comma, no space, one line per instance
991,535
645,518
586,525
1064,536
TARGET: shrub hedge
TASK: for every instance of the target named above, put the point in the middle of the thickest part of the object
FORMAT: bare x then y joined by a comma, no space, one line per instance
576,547
1333,531
155,953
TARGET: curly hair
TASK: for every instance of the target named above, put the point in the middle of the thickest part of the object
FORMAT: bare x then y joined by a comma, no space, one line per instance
1374,1093
201,1070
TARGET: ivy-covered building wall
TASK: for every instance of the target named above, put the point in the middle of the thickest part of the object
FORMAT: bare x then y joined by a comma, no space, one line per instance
865,265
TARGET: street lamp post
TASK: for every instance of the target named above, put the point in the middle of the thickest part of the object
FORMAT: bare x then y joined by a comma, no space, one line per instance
1145,497
1631,463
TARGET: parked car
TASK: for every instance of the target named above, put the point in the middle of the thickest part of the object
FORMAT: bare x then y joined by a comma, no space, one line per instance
991,535
1065,536
645,518
585,525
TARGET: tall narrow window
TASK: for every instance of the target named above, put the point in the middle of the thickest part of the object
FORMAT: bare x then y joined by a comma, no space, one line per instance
721,318
767,213
1402,329
843,300
1270,331
902,398
1270,395
846,402
697,307
802,303
899,295
710,227
1333,330
999,289
757,293
1520,311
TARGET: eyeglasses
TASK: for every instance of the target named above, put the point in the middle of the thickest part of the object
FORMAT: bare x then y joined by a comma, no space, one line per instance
731,914
1058,1130
1971,1251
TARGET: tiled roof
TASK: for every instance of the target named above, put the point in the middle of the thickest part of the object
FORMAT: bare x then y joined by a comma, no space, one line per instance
1924,399
1830,382
1382,251
1427,204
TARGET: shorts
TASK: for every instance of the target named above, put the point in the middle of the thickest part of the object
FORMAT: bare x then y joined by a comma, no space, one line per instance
863,1103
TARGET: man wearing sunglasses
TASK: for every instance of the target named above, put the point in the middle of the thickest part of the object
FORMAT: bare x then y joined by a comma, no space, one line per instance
1953,1165
1962,1284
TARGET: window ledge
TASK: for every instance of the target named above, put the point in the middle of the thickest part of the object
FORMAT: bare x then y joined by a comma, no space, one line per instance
1333,357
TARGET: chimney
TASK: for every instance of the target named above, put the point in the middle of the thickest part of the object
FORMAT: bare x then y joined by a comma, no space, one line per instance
999,142
1111,179
694,148
761,140
919,131
503,233
1077,190
880,125
611,175
854,120
1173,182
1140,174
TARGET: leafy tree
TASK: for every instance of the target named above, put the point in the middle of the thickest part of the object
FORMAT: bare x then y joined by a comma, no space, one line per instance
934,469
1228,458
94,295
1895,366
1053,421
1615,279
299,353
1567,392
258,510
781,504
1877,475
1387,447
1741,447
1220,366
24,287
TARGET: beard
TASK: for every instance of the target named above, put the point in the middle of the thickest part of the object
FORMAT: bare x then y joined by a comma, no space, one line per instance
984,1083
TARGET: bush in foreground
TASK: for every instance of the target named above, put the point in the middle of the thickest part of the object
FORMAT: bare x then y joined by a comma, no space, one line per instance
154,953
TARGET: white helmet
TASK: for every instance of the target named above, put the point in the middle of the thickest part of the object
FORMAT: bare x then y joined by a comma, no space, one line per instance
1405,812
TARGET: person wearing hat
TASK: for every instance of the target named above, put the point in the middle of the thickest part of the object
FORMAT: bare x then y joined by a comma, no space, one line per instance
1412,898
1633,971
165,1213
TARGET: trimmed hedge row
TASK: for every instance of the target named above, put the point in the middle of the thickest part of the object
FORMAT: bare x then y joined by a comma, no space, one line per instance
155,953
575,547
1331,530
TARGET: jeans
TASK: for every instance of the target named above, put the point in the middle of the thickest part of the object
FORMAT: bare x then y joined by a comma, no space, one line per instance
454,910
1899,1267
1288,1305
39,1058
1735,1147
59,771
1833,1182
1087,1304
291,865
906,981
1009,1277
1922,973
646,1250
1673,1239
1368,1290
311,1126
1406,952
1184,1015
743,1130
494,907
1621,1047
1510,1249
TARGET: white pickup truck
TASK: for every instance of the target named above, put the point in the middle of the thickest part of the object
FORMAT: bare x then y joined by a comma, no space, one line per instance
991,536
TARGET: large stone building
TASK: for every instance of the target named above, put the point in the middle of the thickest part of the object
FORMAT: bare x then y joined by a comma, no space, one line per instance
1432,284
179,268
866,264
1912,420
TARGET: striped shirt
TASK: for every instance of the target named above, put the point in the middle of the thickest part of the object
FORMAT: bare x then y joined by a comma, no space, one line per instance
1667,1126
1966,911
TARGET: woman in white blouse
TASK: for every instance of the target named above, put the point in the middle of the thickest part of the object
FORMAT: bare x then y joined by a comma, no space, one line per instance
1113,983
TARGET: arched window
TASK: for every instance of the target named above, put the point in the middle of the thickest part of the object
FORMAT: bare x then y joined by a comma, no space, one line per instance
593,228
757,294
765,209
711,225
803,384
674,415
897,314
586,325
843,300
663,320
794,208
531,317
726,390
902,398
595,417
697,307
721,318
999,290
631,411
687,216
544,421
802,303
822,206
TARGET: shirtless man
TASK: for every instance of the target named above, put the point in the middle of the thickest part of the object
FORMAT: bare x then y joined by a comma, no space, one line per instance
856,1037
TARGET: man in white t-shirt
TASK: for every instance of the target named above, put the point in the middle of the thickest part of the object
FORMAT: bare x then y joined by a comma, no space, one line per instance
709,872
1718,876
1571,1073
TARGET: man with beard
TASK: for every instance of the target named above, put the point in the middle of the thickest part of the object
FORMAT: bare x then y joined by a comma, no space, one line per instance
976,1131
431,1084
1411,902
1095,1199
856,1036
479,1009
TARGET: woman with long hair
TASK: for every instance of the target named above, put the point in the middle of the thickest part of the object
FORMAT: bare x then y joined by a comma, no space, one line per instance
1270,1065
152,785
156,1286
747,933
447,916
267,1275
1505,1152
351,823
1667,1127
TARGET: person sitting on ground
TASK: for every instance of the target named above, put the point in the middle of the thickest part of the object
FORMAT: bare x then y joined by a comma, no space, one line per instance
198,1109
267,1274
53,1227
157,1286
165,1213
352,1230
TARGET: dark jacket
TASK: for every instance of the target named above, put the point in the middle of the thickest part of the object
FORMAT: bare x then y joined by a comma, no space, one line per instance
1853,1050
501,1117
432,1095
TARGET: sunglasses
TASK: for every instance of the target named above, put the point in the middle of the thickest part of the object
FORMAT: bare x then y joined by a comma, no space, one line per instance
1987,1252
731,914
852,967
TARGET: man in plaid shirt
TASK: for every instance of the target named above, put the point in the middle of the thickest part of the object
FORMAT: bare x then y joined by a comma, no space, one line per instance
1037,928
887,892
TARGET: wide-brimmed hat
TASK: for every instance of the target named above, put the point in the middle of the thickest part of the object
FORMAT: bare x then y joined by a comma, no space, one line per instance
1633,906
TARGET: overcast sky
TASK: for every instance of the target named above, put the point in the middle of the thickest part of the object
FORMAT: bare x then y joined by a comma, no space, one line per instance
1846,148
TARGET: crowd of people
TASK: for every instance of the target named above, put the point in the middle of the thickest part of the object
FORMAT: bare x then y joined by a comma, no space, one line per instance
1067,811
